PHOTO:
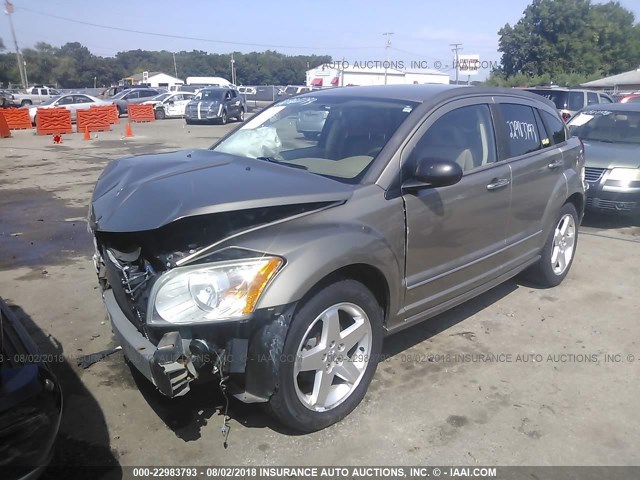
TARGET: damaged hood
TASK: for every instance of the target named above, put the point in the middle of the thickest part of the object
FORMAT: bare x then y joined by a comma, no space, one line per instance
149,191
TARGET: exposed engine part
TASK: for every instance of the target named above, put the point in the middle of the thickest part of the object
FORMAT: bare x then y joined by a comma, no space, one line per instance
134,274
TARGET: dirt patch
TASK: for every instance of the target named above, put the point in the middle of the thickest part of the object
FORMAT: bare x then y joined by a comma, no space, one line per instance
38,229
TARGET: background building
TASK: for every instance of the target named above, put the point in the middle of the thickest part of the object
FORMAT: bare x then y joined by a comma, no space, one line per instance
333,75
153,79
623,82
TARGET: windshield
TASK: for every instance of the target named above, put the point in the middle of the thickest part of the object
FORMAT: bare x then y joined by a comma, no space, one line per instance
209,95
337,137
606,126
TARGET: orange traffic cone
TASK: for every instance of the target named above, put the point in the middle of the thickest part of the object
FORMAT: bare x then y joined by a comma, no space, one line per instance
87,136
127,131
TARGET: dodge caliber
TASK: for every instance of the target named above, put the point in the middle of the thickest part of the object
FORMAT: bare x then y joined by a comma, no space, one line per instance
278,263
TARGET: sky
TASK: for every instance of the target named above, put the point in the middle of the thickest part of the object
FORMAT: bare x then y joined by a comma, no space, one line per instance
347,30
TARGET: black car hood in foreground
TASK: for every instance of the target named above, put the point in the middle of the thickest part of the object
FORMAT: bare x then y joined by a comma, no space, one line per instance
149,191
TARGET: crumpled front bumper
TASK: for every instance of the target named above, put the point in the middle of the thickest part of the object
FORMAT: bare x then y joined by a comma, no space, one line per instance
249,354
166,365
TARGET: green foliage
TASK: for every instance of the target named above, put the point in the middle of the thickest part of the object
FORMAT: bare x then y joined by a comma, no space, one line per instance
74,66
575,37
499,79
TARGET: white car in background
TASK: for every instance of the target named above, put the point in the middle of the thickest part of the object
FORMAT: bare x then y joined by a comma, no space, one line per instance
71,101
168,105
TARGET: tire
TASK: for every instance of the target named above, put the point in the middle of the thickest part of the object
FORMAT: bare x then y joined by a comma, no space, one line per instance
223,118
310,135
299,401
240,117
160,114
24,103
121,112
559,250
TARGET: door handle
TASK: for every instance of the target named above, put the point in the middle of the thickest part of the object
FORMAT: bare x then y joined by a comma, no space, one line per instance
555,164
498,183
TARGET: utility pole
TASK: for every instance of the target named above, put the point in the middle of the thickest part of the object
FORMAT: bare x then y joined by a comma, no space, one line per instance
455,49
233,69
175,67
386,52
8,10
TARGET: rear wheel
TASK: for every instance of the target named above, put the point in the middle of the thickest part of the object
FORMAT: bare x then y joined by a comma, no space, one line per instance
329,357
559,250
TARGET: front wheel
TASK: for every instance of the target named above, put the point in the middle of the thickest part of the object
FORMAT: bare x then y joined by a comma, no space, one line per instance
160,114
240,117
558,251
25,103
329,357
223,118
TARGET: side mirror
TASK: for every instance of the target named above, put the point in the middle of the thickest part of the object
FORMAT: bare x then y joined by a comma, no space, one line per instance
170,102
433,172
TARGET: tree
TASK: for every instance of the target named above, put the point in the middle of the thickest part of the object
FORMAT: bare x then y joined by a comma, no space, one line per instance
74,66
570,36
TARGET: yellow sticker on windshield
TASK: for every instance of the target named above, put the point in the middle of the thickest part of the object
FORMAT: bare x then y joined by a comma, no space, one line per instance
545,141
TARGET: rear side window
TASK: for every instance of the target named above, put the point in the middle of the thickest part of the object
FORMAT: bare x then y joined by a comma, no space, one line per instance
521,129
576,101
555,127
592,97
605,99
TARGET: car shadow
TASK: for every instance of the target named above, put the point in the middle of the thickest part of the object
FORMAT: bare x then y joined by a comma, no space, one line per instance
74,458
203,406
605,221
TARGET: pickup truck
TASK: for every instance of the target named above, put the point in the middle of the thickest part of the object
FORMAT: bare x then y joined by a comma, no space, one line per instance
33,96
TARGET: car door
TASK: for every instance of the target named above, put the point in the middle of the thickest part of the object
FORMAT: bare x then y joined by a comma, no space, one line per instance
456,235
181,106
537,167
233,103
80,102
67,102
132,97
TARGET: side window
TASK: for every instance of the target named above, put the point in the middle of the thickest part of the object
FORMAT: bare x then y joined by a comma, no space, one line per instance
131,95
227,96
605,99
592,97
521,129
233,94
148,93
555,127
464,135
576,101
81,99
66,100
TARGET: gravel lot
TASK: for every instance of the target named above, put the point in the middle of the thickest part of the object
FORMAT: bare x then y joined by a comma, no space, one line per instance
518,376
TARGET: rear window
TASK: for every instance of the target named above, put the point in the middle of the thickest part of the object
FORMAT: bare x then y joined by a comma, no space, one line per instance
521,129
562,99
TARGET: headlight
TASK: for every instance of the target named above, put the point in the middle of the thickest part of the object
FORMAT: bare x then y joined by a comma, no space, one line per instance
625,174
218,291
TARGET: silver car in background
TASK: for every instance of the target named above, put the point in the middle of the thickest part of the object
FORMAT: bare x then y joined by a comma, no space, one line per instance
72,102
